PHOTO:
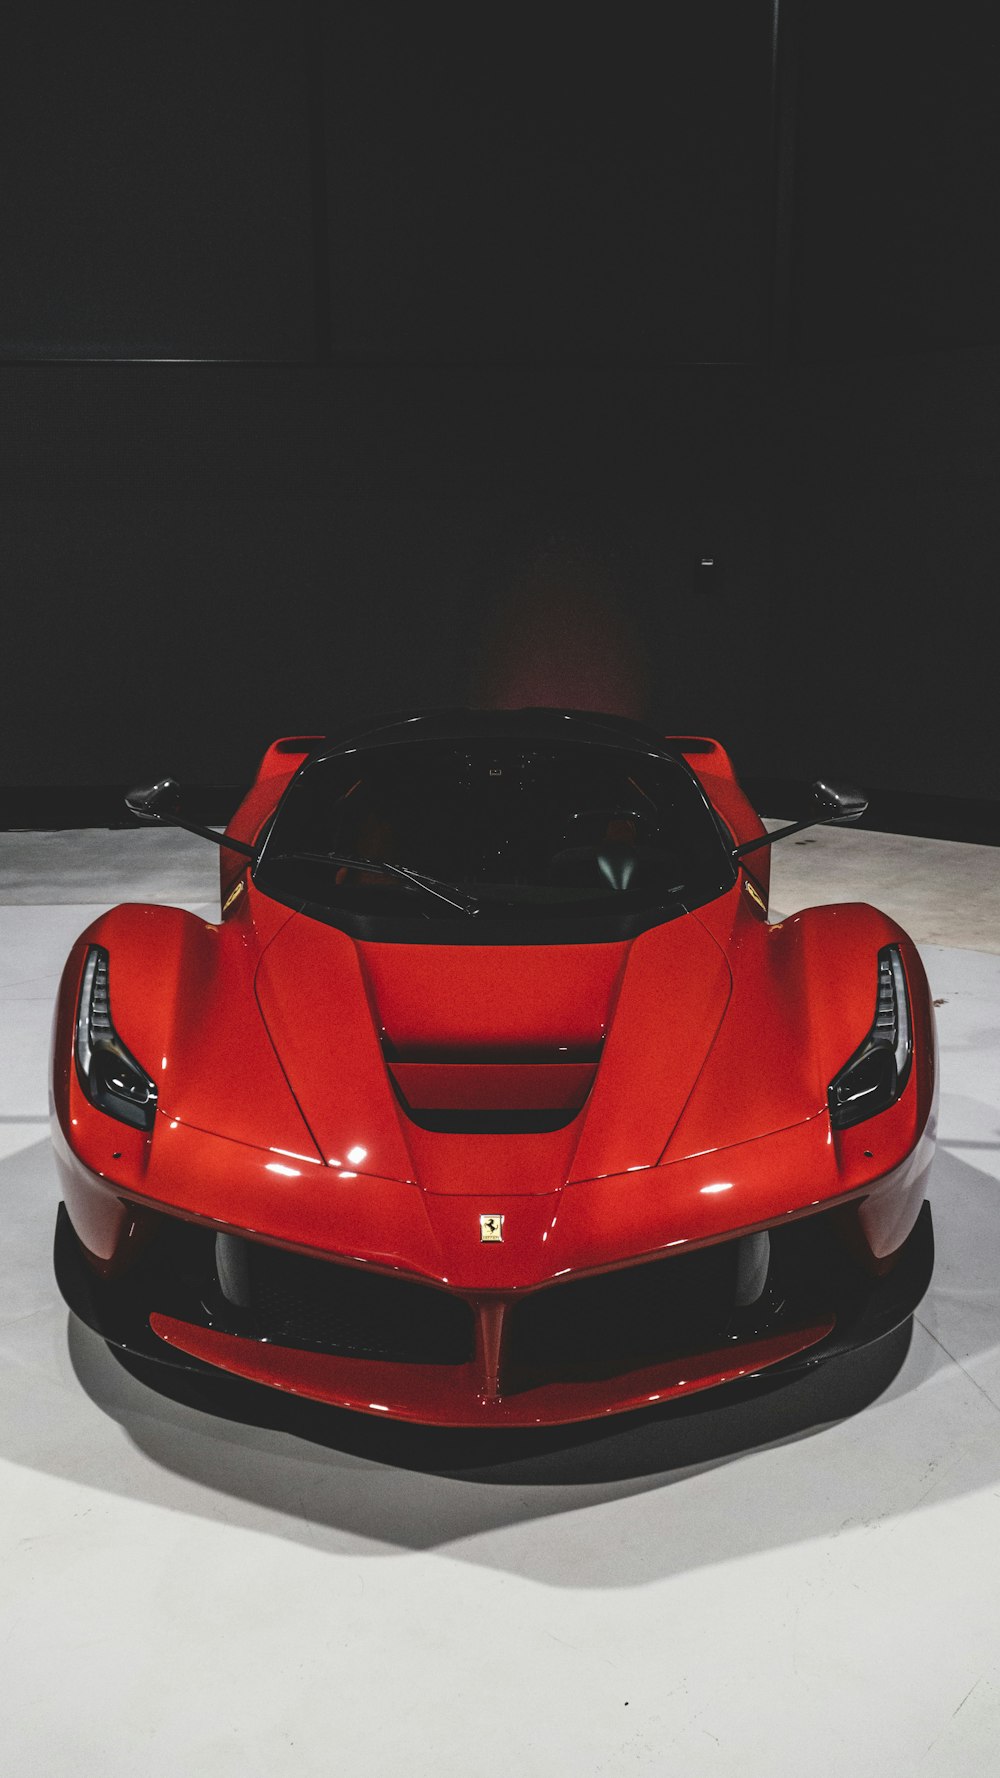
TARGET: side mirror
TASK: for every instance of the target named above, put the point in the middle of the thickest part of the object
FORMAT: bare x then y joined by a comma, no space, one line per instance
162,802
838,802
832,802
155,802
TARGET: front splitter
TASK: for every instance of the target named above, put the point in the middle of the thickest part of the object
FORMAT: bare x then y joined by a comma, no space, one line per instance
438,1395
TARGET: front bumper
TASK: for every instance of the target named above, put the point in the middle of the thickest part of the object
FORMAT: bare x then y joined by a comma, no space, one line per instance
569,1351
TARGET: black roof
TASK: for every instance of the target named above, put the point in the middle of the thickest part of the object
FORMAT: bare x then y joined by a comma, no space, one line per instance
534,723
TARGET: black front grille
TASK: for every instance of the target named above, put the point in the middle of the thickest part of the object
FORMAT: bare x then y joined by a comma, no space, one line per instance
294,1300
593,1328
599,1327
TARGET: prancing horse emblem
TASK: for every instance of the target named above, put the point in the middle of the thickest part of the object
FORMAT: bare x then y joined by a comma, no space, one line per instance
491,1228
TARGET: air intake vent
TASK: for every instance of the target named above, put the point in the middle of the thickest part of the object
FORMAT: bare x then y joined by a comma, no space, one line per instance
505,1095
317,1305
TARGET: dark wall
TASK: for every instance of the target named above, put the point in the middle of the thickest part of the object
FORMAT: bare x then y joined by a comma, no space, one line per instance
287,546
156,198
366,355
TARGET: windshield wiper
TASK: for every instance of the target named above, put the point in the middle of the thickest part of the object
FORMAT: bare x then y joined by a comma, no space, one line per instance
442,891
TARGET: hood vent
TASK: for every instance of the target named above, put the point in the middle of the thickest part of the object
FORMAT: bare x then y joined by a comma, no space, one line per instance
498,1092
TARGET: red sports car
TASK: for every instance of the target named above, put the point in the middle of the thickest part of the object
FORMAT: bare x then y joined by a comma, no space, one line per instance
493,1098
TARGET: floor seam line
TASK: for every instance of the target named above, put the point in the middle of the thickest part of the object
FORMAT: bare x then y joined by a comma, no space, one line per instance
940,1343
19,1320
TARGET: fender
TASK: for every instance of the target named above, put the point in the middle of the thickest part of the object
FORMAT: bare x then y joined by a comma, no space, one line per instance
714,770
182,1000
803,1000
271,779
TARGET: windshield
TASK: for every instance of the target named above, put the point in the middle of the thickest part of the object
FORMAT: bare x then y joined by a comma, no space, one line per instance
526,831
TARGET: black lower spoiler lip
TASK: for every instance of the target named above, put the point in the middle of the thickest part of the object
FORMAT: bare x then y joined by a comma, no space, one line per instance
890,1301
112,1308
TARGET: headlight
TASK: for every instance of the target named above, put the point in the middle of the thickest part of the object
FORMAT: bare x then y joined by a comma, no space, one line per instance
112,1078
877,1072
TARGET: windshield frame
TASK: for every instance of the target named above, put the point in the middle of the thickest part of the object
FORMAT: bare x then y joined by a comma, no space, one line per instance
494,925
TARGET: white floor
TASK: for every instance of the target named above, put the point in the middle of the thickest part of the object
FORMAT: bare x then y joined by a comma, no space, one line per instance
805,1580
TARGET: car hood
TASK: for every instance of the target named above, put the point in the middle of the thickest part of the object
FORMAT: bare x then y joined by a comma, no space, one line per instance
513,1068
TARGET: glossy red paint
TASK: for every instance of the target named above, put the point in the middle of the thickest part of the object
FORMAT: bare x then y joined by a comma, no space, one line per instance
496,1000
471,1086
713,767
698,1111
462,1397
592,1225
278,766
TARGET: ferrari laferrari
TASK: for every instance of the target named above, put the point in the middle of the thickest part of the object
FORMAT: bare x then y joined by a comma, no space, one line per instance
493,1097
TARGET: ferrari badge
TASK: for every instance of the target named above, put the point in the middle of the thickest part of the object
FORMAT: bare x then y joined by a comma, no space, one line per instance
491,1228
